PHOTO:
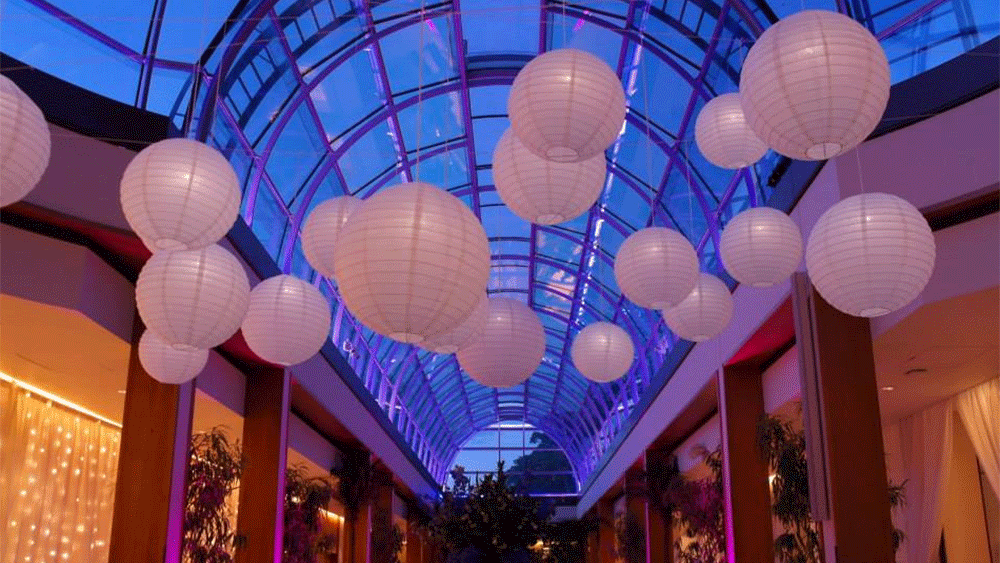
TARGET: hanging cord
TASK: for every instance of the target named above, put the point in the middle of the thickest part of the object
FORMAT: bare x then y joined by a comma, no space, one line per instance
420,90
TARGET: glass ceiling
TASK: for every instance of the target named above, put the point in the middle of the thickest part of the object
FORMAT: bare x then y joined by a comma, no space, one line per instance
312,99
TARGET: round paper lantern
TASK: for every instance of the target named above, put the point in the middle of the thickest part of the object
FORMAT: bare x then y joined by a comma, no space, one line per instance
541,191
457,338
761,247
321,229
509,349
602,352
870,254
656,267
287,321
723,136
566,105
25,144
168,364
193,298
814,85
412,262
703,313
179,194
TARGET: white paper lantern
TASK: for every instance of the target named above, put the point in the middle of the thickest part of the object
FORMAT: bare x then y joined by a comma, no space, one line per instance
287,320
179,194
509,349
723,136
321,229
412,262
566,105
814,85
541,191
193,298
761,247
870,254
602,352
25,143
456,339
168,364
656,267
704,313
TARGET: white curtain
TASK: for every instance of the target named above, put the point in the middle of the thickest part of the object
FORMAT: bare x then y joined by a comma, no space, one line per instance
925,444
979,408
57,481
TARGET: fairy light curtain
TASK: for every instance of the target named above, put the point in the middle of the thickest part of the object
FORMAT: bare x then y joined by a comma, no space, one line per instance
57,480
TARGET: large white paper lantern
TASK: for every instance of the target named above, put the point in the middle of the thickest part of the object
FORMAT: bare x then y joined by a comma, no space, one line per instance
412,262
704,313
25,143
656,267
287,320
566,105
510,347
814,85
168,364
541,191
870,254
602,352
179,194
723,136
761,247
321,229
457,338
193,298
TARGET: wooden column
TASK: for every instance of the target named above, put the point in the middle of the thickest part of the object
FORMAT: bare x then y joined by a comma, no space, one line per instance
848,483
260,520
749,536
635,508
152,466
606,531
659,544
414,543
381,516
594,545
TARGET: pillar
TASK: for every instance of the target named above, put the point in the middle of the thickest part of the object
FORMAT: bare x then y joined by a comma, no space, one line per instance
847,473
381,516
414,543
749,536
260,518
152,466
659,526
635,512
606,531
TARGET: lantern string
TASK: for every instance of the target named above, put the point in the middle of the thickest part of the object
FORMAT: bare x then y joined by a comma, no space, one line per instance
857,160
415,176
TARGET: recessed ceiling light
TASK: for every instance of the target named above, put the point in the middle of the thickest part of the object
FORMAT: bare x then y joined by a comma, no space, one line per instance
888,388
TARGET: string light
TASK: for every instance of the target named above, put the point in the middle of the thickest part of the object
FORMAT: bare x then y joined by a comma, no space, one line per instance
58,440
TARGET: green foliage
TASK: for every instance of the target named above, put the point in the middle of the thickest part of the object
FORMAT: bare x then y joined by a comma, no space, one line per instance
386,537
492,518
212,476
304,498
631,538
698,509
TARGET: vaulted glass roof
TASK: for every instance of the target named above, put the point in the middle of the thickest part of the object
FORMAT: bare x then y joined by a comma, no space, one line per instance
312,99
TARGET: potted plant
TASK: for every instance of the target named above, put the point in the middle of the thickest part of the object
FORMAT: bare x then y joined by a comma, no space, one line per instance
305,498
212,476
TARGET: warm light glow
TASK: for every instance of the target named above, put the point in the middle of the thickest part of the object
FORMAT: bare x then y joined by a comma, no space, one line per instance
56,398
332,515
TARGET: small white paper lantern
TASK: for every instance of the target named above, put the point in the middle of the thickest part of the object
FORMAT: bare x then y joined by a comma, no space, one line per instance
656,267
412,262
602,352
761,247
193,298
566,105
456,339
814,85
25,143
870,254
541,191
704,313
179,194
287,320
509,349
168,364
321,229
723,136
